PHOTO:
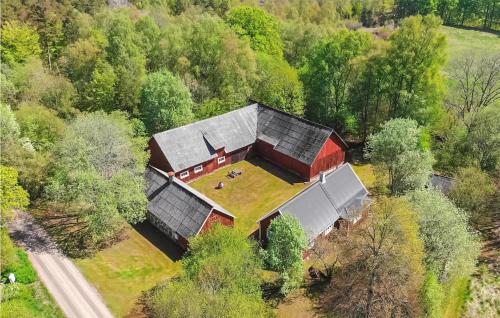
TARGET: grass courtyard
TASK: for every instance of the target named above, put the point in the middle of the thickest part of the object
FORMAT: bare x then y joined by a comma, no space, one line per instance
261,188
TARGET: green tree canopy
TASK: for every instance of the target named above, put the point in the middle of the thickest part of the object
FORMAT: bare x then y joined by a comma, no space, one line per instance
284,254
414,61
209,57
398,152
41,125
472,191
222,279
19,41
165,102
98,177
13,195
451,247
278,85
327,76
259,27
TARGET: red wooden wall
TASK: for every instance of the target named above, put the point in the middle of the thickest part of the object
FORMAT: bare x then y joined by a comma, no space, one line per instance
331,155
217,217
212,165
157,158
283,161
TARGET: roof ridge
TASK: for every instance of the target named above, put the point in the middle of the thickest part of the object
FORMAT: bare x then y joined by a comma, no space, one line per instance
205,119
296,117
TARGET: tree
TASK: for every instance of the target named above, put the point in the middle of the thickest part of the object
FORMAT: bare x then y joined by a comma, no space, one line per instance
476,85
398,152
381,272
19,41
219,6
259,27
413,66
97,181
406,8
37,84
124,53
327,76
472,191
165,102
99,92
299,38
222,279
366,94
278,85
284,254
451,247
10,132
40,125
13,195
483,139
210,59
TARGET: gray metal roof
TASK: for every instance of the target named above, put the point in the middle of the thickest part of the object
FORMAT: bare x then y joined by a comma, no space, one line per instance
321,204
195,143
179,206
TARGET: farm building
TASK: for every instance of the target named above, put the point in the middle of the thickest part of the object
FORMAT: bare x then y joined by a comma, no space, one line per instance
178,210
337,197
295,144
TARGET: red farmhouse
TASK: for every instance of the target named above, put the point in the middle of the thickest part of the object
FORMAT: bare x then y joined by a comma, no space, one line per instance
300,146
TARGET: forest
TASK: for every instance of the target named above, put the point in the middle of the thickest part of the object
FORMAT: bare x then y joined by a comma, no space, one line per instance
84,84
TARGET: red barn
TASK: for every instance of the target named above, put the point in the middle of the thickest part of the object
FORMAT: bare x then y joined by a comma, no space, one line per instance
180,211
300,146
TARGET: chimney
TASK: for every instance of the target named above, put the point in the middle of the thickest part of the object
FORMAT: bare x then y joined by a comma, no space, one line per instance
171,175
322,177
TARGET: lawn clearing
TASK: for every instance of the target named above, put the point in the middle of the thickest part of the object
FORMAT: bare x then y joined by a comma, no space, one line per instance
126,269
461,41
366,174
261,188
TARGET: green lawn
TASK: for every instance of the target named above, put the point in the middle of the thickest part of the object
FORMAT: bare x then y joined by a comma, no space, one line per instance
261,188
365,173
126,269
461,41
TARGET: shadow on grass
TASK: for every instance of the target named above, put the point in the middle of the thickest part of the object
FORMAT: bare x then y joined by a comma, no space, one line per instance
275,170
160,240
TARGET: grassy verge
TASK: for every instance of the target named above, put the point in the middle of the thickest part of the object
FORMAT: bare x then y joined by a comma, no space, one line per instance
27,297
261,188
125,270
457,294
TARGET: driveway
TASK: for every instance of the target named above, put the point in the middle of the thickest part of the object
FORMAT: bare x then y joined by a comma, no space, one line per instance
76,297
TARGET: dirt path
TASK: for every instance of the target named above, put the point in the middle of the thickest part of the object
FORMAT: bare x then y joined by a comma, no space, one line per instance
76,297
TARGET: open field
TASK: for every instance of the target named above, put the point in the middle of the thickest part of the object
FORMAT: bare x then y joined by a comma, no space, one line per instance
125,270
461,41
261,188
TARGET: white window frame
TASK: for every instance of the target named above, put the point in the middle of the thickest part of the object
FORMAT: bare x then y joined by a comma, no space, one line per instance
221,160
184,174
198,169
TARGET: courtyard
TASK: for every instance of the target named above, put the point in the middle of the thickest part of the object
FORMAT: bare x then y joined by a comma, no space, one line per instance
259,189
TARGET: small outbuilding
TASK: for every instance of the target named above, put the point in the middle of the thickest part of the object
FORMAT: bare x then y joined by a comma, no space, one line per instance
337,197
178,210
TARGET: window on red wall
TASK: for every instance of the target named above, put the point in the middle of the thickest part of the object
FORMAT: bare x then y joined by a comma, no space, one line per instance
184,174
221,159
